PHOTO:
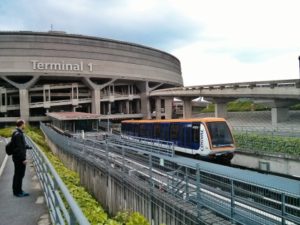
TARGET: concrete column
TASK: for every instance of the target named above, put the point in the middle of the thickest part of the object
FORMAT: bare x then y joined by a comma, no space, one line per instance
280,109
221,109
138,106
145,103
24,104
127,107
120,106
279,115
158,108
187,108
168,108
96,101
109,108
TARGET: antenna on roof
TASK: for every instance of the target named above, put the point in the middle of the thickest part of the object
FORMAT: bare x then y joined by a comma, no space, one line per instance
51,28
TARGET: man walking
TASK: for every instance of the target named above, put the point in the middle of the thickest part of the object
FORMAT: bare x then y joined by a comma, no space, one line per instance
19,158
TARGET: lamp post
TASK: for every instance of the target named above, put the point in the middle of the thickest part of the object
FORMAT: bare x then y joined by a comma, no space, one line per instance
299,66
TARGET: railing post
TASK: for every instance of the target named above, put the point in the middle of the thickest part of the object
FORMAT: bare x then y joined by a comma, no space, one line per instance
283,208
198,189
186,184
232,201
151,188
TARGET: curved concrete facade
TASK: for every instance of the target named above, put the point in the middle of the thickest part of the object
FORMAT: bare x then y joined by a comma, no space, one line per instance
87,73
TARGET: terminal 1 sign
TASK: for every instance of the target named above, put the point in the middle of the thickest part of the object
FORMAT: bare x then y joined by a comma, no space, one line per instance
61,66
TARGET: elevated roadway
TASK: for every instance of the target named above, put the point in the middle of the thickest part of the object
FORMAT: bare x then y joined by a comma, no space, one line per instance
278,94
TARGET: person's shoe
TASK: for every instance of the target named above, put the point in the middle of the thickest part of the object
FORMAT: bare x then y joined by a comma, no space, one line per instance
23,194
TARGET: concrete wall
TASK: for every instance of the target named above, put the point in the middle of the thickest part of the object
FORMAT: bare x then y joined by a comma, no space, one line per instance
277,163
115,193
109,58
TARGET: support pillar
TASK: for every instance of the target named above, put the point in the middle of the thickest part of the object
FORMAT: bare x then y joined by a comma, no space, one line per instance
24,104
109,108
138,106
280,109
168,108
221,109
187,108
279,115
127,107
158,108
96,101
145,103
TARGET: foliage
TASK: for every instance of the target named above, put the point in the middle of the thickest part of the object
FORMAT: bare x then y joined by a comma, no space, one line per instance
210,108
238,106
295,107
131,218
90,207
268,143
6,132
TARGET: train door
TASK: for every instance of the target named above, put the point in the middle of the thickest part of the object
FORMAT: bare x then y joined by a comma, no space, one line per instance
195,143
188,138
184,137
175,134
164,131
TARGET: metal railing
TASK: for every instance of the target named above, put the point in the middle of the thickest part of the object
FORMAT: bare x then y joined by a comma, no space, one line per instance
240,196
62,207
165,148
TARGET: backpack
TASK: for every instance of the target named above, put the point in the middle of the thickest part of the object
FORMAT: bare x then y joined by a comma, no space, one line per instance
10,147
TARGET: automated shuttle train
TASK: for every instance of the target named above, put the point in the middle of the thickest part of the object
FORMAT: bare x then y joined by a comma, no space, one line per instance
200,137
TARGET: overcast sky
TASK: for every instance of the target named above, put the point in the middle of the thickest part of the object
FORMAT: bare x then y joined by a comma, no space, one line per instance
217,41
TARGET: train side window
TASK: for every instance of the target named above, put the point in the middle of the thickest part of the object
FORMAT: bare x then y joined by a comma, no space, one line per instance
164,131
142,130
156,131
174,130
196,133
188,134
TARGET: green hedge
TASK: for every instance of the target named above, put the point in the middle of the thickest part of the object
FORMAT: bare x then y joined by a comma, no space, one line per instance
6,132
238,106
268,143
89,205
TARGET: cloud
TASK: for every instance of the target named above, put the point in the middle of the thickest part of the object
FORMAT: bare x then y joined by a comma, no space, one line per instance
204,67
152,23
216,41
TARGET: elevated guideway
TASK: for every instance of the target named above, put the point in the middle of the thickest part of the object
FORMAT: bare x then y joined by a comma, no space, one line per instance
278,94
240,196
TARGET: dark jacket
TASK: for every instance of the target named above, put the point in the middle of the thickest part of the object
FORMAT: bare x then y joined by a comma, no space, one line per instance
20,145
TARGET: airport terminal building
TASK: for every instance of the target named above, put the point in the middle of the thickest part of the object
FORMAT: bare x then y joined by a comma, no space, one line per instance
44,72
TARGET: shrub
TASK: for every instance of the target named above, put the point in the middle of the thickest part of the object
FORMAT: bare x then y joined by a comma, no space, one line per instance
90,207
268,143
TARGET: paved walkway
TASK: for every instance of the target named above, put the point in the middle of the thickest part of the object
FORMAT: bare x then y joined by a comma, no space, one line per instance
21,211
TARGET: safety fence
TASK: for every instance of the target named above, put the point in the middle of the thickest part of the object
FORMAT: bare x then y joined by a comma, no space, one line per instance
210,193
63,208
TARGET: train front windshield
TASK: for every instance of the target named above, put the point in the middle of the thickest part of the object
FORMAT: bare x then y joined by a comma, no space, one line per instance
220,134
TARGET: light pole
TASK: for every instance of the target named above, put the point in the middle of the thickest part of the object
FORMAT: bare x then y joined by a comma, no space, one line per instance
299,65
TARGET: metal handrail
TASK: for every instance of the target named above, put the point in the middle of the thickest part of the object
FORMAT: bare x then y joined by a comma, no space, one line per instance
241,196
55,191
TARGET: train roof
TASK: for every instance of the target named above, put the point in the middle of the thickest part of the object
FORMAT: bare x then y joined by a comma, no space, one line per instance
207,119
